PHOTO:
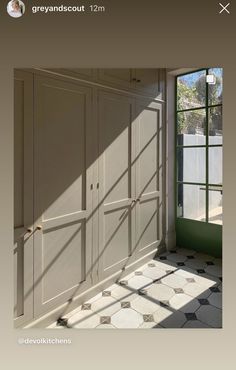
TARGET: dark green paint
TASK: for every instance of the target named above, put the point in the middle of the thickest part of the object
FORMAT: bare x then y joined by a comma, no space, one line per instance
200,236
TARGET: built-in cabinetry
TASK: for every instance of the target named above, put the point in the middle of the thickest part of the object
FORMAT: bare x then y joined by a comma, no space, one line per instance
144,81
91,197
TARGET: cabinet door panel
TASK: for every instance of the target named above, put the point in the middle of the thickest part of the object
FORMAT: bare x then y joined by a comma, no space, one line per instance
148,175
121,77
116,190
63,203
23,197
88,74
148,81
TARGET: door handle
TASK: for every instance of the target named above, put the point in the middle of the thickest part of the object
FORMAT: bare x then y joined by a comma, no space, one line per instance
27,231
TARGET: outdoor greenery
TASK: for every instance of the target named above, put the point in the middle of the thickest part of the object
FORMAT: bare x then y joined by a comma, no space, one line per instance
192,94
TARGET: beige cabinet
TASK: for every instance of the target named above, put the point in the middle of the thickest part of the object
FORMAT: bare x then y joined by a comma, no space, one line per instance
119,77
62,194
145,81
94,185
148,81
88,74
129,180
23,197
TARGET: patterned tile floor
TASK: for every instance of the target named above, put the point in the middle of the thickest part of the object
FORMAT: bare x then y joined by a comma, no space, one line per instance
179,289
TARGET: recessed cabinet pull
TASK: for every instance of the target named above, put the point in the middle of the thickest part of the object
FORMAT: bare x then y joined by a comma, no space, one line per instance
39,227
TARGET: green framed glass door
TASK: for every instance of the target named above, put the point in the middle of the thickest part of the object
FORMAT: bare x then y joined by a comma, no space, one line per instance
199,143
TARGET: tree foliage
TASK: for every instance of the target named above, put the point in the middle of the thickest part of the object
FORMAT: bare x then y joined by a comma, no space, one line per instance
193,96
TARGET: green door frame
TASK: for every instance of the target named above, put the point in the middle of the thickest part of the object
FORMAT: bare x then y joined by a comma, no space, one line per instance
205,237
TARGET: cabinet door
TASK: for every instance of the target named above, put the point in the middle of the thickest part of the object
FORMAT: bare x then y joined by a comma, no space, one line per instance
119,77
148,176
88,74
23,197
62,195
148,81
116,188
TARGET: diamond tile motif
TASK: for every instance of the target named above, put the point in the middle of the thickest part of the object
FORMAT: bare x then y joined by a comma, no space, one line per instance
148,318
86,306
62,321
105,320
125,304
214,289
139,282
201,271
168,272
142,291
190,280
127,319
123,282
178,290
164,303
157,281
191,316
106,293
174,281
151,265
203,301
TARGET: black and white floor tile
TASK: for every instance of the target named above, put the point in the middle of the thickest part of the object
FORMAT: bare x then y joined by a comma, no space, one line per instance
179,289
